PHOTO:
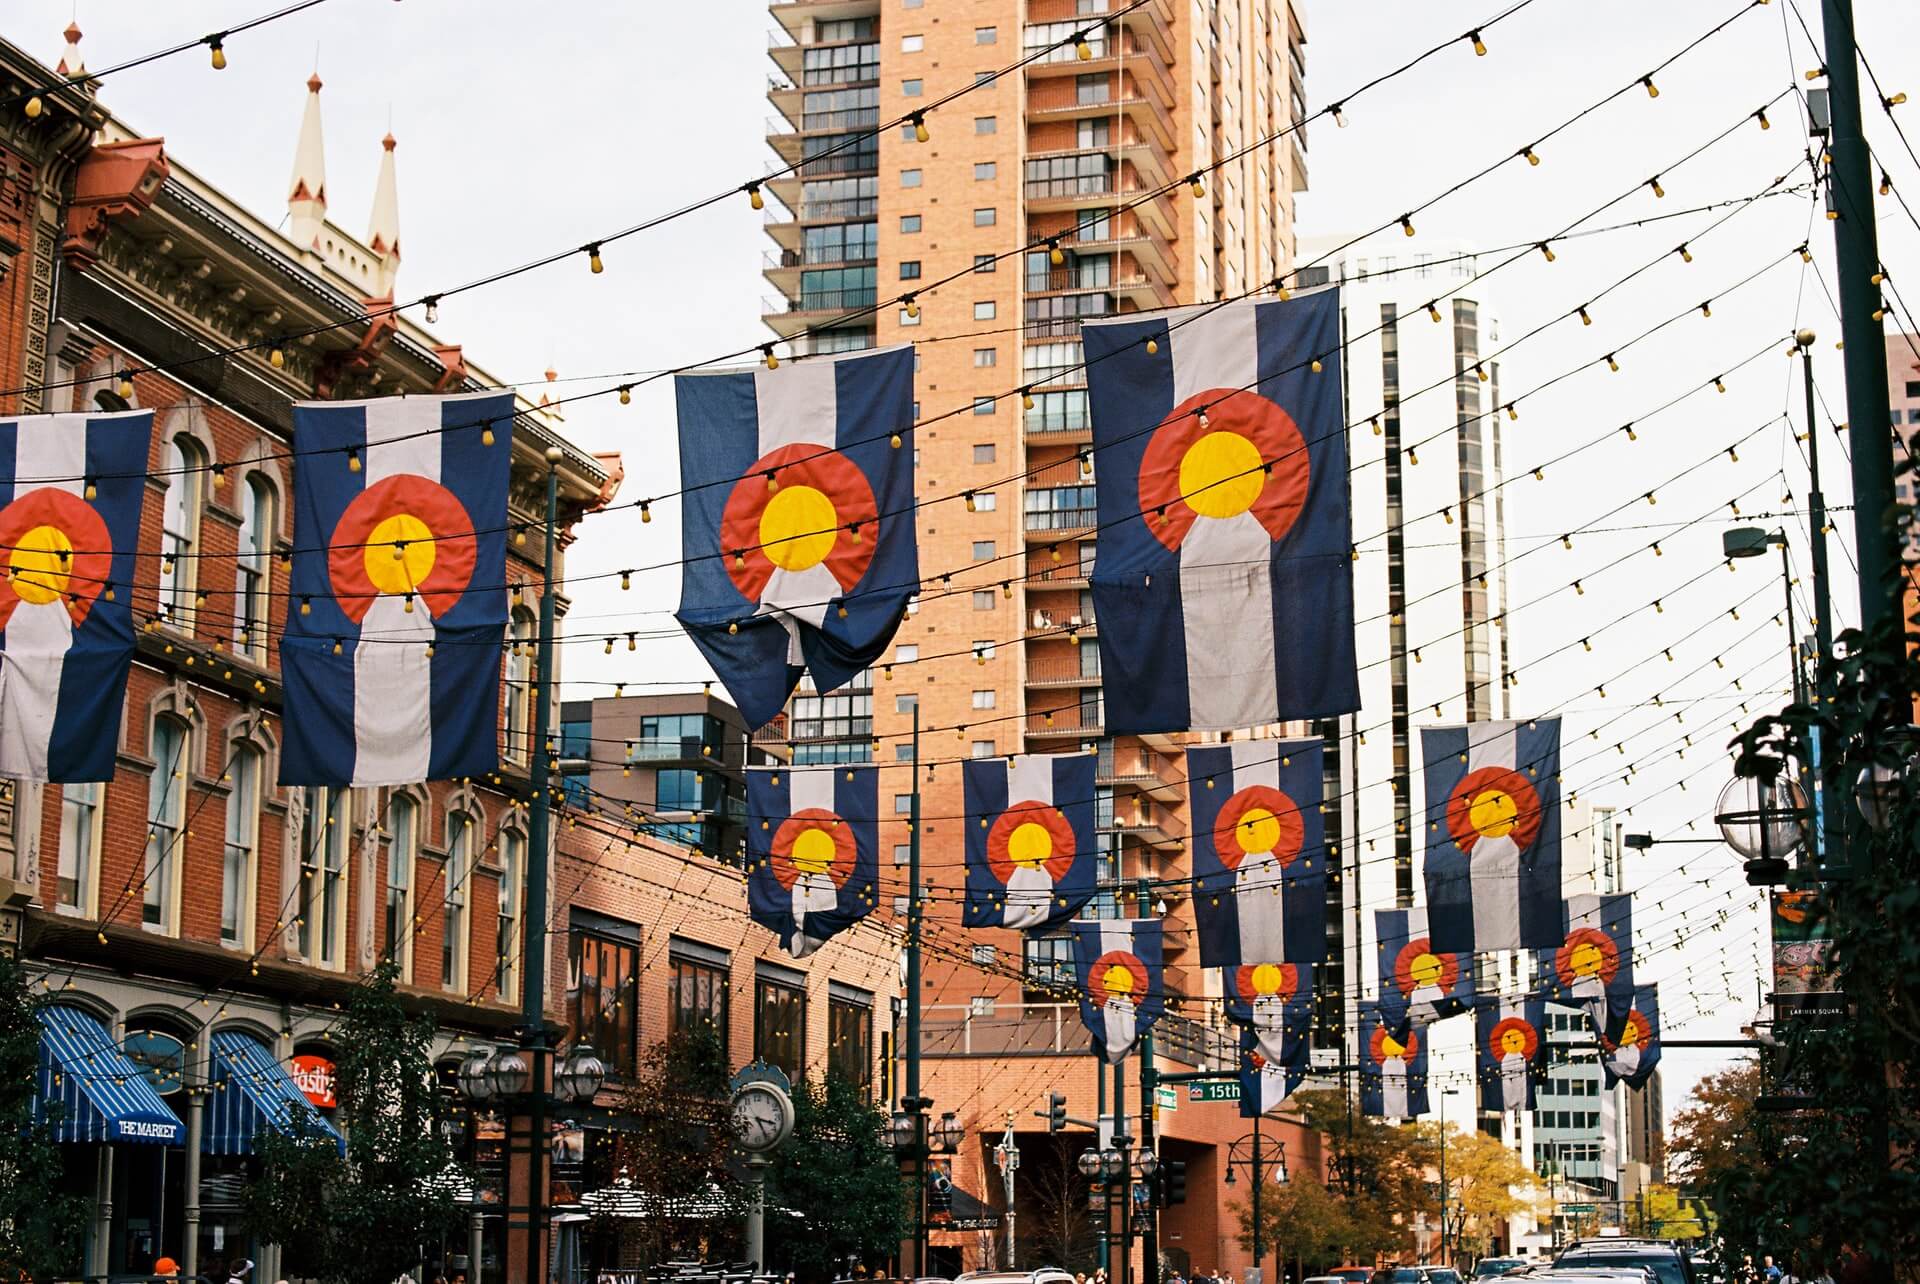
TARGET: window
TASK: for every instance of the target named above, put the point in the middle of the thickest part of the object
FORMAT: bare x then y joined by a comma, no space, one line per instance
984,171
166,794
983,650
1092,133
79,848
902,854
403,848
700,990
984,405
986,35
903,753
321,929
780,1021
984,77
986,217
912,44
521,654
986,124
985,699
910,89
823,64
983,358
986,503
984,310
902,804
840,243
513,861
983,749
180,529
850,1036
909,269
905,703
1096,87
253,577
909,318
986,262
1077,174
983,599
909,224
910,178
983,550
603,987
1046,966
1059,412
454,874
905,652
243,836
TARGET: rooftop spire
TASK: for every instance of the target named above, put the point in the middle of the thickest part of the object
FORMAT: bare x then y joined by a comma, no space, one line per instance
307,194
70,63
383,233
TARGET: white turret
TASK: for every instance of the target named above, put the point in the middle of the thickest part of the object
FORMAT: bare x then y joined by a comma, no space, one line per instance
307,194
383,234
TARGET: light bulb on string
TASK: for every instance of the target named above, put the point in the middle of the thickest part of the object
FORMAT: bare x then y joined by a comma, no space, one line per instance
217,53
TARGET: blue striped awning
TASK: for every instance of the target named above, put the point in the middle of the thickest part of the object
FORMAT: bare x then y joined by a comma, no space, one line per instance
97,1094
252,1092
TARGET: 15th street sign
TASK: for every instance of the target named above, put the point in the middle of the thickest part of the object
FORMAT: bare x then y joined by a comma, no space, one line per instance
1214,1090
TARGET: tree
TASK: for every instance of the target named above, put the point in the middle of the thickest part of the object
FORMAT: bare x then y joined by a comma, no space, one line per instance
1665,1213
1382,1172
675,1151
362,1217
40,1228
1488,1183
838,1177
1056,1226
1715,1138
1300,1222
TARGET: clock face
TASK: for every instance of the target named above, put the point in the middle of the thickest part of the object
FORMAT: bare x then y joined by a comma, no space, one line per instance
762,1117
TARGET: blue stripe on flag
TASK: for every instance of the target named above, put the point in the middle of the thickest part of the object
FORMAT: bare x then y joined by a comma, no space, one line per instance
1223,896
1529,900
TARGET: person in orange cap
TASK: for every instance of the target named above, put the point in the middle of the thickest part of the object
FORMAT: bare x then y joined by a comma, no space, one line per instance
166,1266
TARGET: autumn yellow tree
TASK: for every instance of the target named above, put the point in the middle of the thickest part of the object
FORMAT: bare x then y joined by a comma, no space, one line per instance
1487,1182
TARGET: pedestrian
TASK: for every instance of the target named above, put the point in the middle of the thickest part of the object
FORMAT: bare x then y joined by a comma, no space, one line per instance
1771,1270
166,1266
241,1269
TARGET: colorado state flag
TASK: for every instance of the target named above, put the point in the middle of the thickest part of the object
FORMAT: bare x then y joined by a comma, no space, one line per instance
1030,839
1265,1084
1393,1065
798,533
391,655
1493,835
1259,851
70,493
813,844
1224,587
1273,1002
1633,1051
1510,1040
1415,978
1117,964
1592,967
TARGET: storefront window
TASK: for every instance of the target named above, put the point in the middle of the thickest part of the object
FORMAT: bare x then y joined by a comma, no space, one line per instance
850,1036
603,987
780,1021
699,994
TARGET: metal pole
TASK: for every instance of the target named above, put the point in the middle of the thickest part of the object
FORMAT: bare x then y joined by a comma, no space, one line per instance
1857,254
757,1211
1832,818
1793,636
1150,1238
915,1107
1125,1180
1258,1181
1443,1177
533,971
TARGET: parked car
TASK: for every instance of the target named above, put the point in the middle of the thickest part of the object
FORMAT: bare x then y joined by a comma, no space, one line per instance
1044,1275
1668,1264
1352,1274
1493,1267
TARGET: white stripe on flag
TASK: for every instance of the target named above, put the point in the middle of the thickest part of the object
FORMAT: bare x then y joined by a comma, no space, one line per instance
1584,911
1493,865
1030,778
1513,1082
392,673
1255,762
39,635
392,694
1492,744
403,436
1029,891
1213,348
1256,884
1393,1088
811,787
797,403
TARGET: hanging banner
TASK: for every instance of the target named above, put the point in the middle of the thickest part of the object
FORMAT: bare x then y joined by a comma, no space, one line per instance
1634,1052
1493,836
1393,1066
1031,849
1224,587
1511,1051
1273,1002
1265,1084
1117,964
813,865
1592,968
1259,852
1426,983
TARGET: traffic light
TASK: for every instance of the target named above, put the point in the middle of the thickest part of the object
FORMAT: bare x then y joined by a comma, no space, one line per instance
1056,1111
1173,1182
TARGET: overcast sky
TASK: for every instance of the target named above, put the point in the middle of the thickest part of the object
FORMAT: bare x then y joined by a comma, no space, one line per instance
523,129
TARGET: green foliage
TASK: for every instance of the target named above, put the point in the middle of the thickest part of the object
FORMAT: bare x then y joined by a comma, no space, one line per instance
674,1150
40,1229
1301,1222
1842,1180
363,1218
839,1175
1055,1225
1487,1182
1665,1213
1380,1174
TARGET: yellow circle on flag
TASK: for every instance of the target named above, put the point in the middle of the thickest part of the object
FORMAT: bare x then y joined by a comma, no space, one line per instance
39,563
1266,978
1258,831
1029,845
1586,959
399,554
1513,1042
797,528
1221,475
1118,980
813,851
1425,969
1494,813
1392,1046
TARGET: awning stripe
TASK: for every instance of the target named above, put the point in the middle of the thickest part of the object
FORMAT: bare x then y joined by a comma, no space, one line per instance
96,1092
252,1092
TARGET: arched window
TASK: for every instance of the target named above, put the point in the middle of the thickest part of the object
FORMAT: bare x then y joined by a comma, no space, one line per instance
403,848
453,921
240,860
166,806
180,528
521,654
322,926
254,575
513,869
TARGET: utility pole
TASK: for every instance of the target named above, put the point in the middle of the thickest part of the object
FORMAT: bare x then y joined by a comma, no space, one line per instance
916,1107
1832,821
1149,1085
1007,1156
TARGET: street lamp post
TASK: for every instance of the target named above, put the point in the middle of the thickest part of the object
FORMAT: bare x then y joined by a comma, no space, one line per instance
1258,1165
1445,1258
1830,811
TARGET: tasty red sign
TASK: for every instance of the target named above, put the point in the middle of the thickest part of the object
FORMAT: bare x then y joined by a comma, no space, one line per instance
314,1076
